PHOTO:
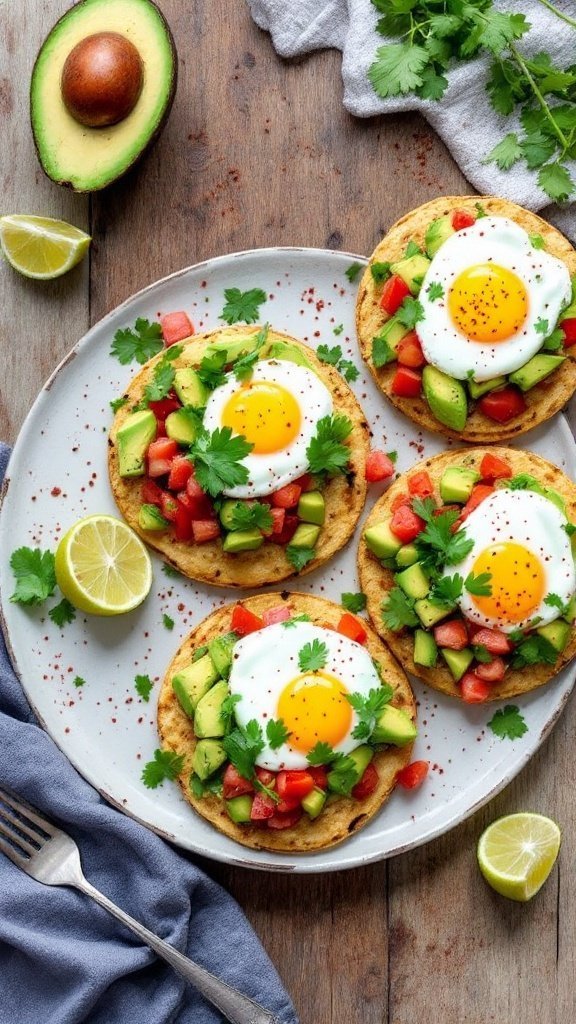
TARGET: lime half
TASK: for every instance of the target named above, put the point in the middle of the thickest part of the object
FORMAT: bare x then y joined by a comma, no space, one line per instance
41,247
102,566
517,853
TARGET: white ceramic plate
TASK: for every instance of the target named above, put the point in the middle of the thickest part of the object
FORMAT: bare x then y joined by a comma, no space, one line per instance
58,473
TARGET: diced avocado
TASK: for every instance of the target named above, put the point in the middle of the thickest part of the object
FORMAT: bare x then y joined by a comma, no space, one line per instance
437,232
412,270
425,649
570,615
446,397
208,720
226,512
233,346
557,633
313,802
239,808
457,661
305,536
482,387
242,540
209,756
181,426
290,353
361,757
192,682
220,651
457,483
392,333
312,508
150,518
394,726
381,541
132,439
535,370
189,387
407,555
429,614
389,563
414,581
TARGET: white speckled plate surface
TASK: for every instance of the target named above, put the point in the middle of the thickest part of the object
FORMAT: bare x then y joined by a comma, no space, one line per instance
58,473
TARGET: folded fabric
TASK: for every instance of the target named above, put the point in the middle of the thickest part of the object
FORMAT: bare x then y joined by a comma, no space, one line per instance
463,118
63,959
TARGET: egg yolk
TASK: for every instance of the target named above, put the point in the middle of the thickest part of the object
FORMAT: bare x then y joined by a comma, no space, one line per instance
518,582
488,303
314,709
265,413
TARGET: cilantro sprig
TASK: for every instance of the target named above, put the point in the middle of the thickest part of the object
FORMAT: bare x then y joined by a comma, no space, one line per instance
166,765
437,544
333,356
243,745
62,613
369,709
312,656
162,376
243,306
398,610
218,459
243,367
508,723
34,574
343,773
247,515
276,733
139,343
326,452
353,602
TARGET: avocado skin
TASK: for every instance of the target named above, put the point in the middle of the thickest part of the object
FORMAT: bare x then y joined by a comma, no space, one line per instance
97,186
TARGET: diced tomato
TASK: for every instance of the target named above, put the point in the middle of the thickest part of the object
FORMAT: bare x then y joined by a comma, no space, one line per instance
287,497
420,485
175,327
409,351
159,467
462,219
492,468
287,820
204,530
473,689
405,524
273,615
283,806
160,429
180,472
151,493
393,294
492,671
160,454
200,505
266,777
351,627
413,775
320,776
493,640
164,407
502,405
278,517
399,501
244,621
169,506
304,482
379,466
234,784
263,807
568,327
367,783
294,784
182,523
406,383
451,634
479,493
288,530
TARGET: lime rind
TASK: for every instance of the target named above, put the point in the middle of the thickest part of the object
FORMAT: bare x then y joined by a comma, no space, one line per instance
41,248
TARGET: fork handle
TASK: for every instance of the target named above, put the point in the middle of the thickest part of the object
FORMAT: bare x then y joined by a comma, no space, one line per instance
237,1007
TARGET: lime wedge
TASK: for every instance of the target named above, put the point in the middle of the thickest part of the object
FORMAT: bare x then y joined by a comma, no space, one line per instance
517,853
41,247
102,566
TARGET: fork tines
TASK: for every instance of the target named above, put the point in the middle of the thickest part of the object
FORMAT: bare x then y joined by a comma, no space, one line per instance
24,832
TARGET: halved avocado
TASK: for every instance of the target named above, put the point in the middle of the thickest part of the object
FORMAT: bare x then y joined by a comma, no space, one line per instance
90,158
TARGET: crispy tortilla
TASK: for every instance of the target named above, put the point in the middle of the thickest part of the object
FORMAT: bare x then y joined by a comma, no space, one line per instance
341,817
344,495
543,400
375,581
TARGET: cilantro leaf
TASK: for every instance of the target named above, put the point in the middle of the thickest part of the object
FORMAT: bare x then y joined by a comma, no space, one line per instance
382,353
482,654
556,182
166,765
410,313
167,622
62,613
326,453
299,557
321,753
243,745
118,403
343,774
369,709
276,733
288,623
479,585
537,242
78,682
353,602
161,383
522,482
211,369
433,85
349,371
244,366
506,153
329,355
211,785
412,249
228,705
541,326
554,341
144,687
398,610
438,546
446,591
312,656
508,723
534,650
380,272
243,306
338,330
33,571
217,459
480,211
554,601
170,570
246,515
141,342
435,291
397,69
353,270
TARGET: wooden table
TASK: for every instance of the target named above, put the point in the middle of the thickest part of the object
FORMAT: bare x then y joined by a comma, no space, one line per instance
260,152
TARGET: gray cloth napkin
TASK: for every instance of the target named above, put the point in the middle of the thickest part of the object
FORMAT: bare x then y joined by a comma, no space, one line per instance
463,118
63,959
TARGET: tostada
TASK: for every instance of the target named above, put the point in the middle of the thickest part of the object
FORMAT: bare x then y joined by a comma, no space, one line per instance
292,719
240,457
468,567
466,317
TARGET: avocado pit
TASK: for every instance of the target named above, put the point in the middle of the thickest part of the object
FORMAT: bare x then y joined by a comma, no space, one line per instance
102,79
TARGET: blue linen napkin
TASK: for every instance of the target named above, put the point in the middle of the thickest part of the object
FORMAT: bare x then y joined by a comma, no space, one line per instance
65,960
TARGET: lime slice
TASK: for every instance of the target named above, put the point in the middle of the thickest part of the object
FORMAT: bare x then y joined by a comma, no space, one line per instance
41,247
102,567
517,853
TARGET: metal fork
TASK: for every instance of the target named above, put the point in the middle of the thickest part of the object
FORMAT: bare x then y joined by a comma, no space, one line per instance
52,857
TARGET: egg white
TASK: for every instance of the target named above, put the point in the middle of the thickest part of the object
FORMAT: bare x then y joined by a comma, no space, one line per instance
268,472
529,519
500,241
266,661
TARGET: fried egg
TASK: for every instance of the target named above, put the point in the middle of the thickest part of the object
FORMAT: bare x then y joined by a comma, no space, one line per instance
520,540
276,410
501,298
313,705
